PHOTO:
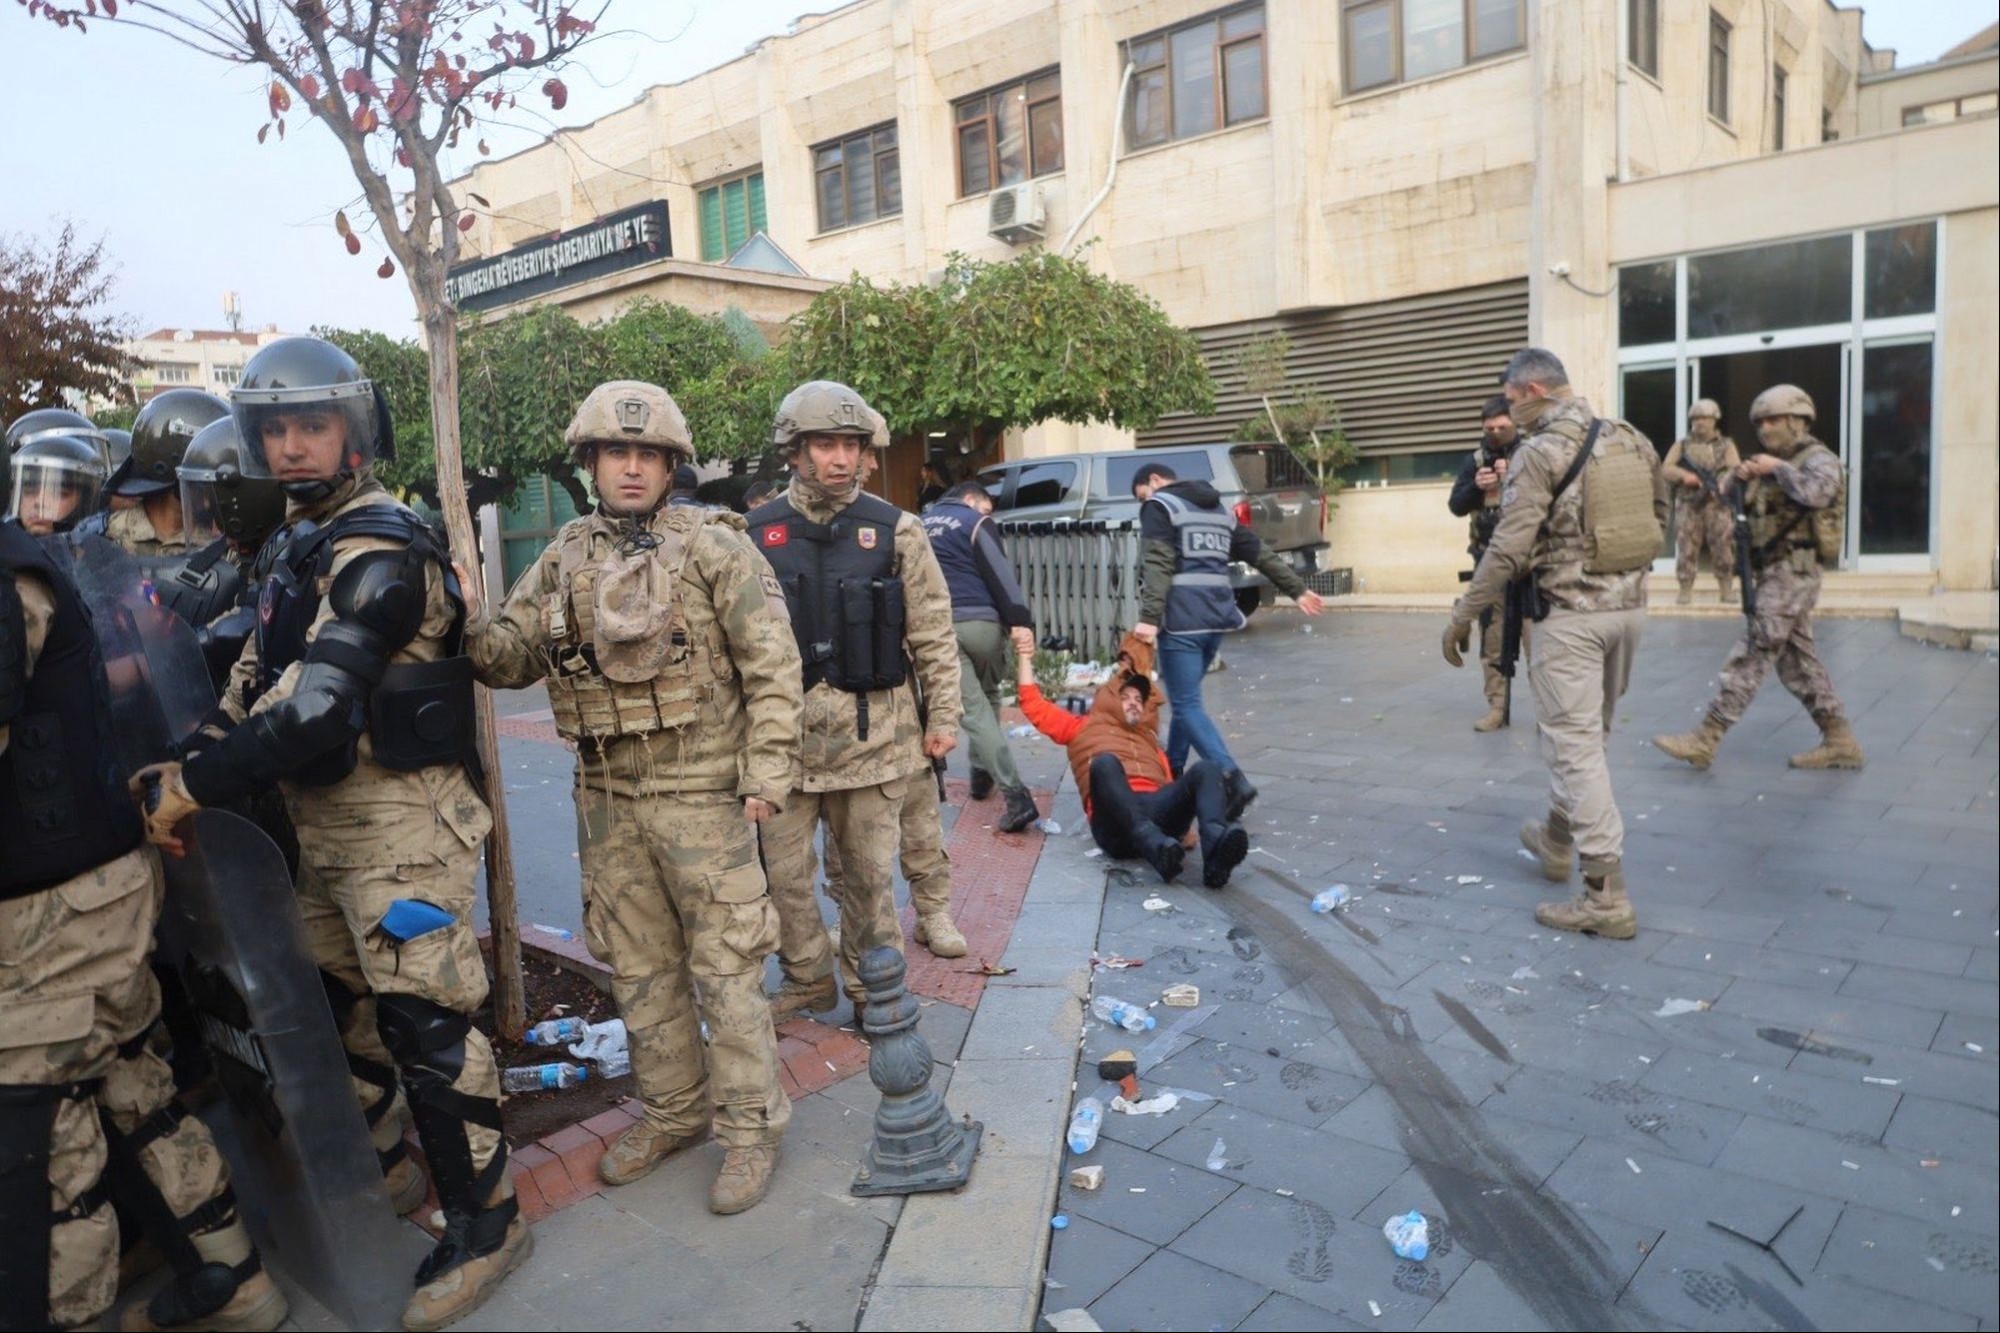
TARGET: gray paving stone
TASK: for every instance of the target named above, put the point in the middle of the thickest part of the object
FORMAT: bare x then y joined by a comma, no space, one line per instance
1802,971
1896,950
1172,1291
1086,1259
1957,1075
1945,1131
1889,1179
1172,1195
1287,1314
1963,995
895,1309
1947,1265
1276,1154
1959,1033
1482,1299
1373,1119
1245,1076
1985,965
1784,1005
1840,1106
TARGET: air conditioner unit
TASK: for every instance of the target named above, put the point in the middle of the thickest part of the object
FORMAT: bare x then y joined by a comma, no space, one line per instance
1014,214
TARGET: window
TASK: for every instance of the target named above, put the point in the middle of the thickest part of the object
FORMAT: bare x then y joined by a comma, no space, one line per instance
1042,484
168,373
1790,285
1119,471
858,179
1718,67
1196,78
1394,41
1009,134
1646,304
1900,271
1936,113
732,211
227,375
1642,35
1777,109
1404,469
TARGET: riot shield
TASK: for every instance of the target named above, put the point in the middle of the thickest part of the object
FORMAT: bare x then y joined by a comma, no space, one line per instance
310,1188
160,686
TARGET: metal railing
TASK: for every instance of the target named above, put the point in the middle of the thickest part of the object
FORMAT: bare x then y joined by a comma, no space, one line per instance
1081,576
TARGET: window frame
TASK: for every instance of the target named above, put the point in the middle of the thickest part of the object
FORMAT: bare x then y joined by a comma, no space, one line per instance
1720,33
1778,80
716,187
1029,105
875,157
1637,13
1396,79
1217,72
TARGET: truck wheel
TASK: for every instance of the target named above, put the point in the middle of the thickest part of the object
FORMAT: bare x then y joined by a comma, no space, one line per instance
1248,600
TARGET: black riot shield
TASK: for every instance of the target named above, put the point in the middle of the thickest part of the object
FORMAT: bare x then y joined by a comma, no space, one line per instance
310,1187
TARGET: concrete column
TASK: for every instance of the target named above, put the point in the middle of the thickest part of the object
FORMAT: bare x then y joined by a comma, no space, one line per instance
1573,44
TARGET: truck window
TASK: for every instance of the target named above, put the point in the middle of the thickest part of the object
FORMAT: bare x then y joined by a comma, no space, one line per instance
1188,465
1268,467
1043,484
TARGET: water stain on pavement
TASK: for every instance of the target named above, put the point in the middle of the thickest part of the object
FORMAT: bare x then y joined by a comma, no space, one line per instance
1811,1045
1474,1029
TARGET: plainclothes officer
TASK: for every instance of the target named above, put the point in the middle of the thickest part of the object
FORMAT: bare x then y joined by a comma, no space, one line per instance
670,664
873,621
57,482
161,433
86,1109
1583,510
1475,495
1696,467
1795,501
355,698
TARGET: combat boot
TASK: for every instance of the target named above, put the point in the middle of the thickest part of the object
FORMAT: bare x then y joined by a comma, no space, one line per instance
744,1180
230,1264
1496,718
1695,747
981,785
1837,747
408,1186
1686,595
640,1149
1725,591
937,932
1020,811
1553,845
464,1287
257,1306
794,999
1601,909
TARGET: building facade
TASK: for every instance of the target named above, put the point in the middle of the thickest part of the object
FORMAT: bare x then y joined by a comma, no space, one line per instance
1682,197
209,359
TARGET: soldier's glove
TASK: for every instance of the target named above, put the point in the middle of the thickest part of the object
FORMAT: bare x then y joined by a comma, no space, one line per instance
1457,639
164,800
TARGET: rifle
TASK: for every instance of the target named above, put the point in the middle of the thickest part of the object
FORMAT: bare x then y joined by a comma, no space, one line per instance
1704,476
1521,602
924,729
1746,573
1506,664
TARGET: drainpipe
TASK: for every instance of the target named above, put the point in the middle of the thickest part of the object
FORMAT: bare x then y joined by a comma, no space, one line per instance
1620,112
1117,133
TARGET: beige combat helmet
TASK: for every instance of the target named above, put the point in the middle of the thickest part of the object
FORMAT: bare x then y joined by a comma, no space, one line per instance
1783,400
826,407
629,412
1705,407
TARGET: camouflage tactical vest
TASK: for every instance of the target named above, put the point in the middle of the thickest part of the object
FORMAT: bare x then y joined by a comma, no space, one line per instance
1780,525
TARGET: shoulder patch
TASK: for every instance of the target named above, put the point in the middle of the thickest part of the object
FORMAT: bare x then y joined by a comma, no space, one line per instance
772,588
775,535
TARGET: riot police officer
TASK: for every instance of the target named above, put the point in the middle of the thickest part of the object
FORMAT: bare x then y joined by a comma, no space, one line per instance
57,482
870,612
671,667
87,1111
43,422
228,518
355,698
152,530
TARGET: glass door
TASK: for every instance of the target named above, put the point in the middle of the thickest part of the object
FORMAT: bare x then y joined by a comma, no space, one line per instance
1735,378
1649,398
1889,489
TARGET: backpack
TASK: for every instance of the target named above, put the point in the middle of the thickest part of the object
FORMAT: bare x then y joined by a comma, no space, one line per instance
1621,532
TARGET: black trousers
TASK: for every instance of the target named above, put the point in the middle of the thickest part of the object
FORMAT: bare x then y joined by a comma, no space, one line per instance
1127,823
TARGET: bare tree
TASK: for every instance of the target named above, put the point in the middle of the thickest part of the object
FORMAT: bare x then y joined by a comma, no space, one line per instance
397,83
57,331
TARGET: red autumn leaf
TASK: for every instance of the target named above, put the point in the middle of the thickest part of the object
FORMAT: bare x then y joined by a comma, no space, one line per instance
465,221
477,199
353,80
366,120
557,94
341,224
402,157
309,86
281,100
262,130
353,244
527,47
388,269
111,8
484,151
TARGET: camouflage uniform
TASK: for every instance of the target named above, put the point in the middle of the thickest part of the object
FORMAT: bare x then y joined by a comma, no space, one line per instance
859,786
674,892
1584,649
133,531
1702,521
922,857
80,1000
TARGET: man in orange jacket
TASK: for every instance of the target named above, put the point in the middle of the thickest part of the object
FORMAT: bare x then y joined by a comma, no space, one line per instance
1135,804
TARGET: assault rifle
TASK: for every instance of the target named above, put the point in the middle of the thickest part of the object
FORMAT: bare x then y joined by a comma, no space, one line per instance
1746,574
1704,476
1520,602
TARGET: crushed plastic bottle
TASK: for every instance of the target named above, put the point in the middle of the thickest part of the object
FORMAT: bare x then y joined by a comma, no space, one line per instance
538,1078
564,935
1084,1124
1409,1235
1218,1156
1128,1016
556,1032
1331,899
1049,827
1022,732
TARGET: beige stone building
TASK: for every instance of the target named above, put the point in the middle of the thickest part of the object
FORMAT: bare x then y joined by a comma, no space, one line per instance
1682,197
209,359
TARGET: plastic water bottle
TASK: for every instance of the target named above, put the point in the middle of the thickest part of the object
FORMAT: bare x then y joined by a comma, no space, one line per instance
556,1032
1084,1124
1409,1235
539,1078
557,931
1327,900
1128,1016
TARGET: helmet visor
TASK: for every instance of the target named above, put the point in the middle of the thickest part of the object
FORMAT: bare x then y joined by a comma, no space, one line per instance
53,495
198,509
314,433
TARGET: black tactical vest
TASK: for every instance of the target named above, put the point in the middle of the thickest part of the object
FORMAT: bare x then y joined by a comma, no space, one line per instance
200,586
841,587
63,805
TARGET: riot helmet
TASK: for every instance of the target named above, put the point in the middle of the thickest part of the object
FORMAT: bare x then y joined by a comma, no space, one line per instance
47,421
57,479
310,378
217,499
117,444
161,434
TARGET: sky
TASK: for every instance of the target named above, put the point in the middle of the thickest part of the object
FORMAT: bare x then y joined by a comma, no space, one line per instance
162,160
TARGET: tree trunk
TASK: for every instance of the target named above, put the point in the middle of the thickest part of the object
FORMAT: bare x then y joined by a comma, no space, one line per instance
509,996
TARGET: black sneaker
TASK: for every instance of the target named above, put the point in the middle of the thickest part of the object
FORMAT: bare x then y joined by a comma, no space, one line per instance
981,785
1225,856
1019,812
1238,792
1167,856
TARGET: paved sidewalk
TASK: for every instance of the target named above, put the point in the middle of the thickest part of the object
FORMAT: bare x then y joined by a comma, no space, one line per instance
1560,1108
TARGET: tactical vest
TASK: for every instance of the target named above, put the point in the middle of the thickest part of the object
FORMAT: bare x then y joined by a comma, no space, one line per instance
421,714
1618,530
591,707
842,589
223,636
63,805
1200,600
951,528
1485,520
197,587
1780,525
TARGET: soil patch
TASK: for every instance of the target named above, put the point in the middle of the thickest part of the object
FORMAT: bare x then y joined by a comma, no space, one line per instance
553,992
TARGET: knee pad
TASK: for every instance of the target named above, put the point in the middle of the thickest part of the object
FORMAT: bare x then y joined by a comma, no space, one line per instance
423,1035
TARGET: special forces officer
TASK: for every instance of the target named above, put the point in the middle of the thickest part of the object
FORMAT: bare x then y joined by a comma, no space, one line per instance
85,1108
1475,495
1583,511
1698,465
1794,501
670,664
355,698
869,610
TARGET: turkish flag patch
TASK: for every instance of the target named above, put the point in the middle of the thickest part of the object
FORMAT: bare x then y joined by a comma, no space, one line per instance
777,536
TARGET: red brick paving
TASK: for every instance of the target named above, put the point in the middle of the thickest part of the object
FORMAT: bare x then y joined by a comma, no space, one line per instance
989,880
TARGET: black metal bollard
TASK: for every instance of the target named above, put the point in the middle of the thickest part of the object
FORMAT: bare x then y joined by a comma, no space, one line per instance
918,1147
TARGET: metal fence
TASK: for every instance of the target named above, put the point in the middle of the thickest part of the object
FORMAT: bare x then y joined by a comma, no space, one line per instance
1080,576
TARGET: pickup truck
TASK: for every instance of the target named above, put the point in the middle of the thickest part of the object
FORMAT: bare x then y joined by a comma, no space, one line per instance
1271,491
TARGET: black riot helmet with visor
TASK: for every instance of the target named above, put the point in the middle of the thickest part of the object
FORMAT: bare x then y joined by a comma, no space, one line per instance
310,377
47,422
161,433
57,481
217,499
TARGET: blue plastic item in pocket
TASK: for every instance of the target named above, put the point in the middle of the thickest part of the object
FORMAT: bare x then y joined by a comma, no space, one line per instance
408,918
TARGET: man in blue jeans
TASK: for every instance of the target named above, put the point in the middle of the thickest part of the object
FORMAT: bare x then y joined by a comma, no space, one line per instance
1187,540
